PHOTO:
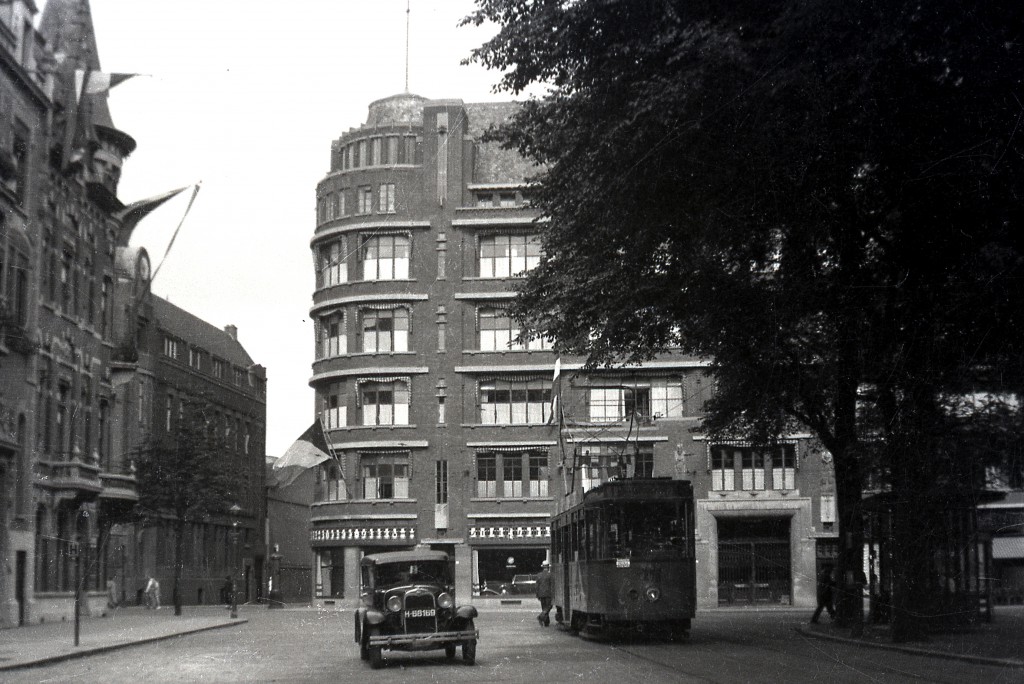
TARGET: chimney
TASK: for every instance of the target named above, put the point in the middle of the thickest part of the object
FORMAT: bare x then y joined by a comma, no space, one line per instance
232,331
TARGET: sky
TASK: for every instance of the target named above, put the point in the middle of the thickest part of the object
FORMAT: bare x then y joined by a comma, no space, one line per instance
246,97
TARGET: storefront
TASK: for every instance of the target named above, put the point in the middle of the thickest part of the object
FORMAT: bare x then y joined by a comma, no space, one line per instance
507,554
338,547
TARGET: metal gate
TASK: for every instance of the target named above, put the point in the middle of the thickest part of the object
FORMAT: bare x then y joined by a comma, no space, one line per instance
754,571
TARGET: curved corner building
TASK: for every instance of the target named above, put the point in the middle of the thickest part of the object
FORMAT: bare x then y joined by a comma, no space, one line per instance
442,422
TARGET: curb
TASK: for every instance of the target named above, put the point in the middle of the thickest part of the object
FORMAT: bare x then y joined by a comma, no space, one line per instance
96,650
978,660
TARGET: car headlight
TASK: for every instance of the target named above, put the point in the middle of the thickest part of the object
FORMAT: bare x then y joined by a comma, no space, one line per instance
444,600
394,604
652,594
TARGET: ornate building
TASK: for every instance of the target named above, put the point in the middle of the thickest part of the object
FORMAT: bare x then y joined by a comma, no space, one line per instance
443,423
78,371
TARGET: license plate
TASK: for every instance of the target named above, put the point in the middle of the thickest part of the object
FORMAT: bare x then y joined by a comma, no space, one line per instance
426,612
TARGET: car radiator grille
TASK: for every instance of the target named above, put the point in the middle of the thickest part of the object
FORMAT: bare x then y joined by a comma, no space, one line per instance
420,613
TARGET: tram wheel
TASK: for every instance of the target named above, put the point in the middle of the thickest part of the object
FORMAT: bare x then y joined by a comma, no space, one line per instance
577,621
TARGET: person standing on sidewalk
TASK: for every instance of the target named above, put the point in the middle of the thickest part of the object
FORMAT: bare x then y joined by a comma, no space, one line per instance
153,594
544,593
825,585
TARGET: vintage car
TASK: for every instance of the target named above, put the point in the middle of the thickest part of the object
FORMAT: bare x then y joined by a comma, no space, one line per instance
407,603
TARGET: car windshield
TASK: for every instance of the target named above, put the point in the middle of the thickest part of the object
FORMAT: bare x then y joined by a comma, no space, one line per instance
413,572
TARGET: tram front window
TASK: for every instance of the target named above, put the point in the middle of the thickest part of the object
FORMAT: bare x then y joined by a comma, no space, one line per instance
643,531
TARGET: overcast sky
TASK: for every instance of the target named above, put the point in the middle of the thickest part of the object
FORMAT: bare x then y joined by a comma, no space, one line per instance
246,96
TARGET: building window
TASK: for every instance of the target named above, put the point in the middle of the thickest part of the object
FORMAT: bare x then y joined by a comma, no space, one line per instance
386,198
364,200
538,474
219,368
441,482
375,151
332,410
333,341
386,330
21,143
385,476
332,205
753,470
385,257
487,475
507,200
391,150
195,358
512,475
667,398
170,347
333,265
504,256
515,402
784,467
498,331
614,404
342,210
723,469
330,482
385,403
511,465
484,199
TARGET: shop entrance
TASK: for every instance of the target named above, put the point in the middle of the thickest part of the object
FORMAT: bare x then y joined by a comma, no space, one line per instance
754,561
508,571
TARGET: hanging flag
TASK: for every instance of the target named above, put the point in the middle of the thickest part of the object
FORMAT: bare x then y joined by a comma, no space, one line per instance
309,450
556,387
97,82
136,211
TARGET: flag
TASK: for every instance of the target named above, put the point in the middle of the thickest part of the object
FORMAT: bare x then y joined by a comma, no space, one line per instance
556,387
97,82
130,216
309,450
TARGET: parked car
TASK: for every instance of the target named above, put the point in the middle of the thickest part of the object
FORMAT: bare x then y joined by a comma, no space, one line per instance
524,584
407,603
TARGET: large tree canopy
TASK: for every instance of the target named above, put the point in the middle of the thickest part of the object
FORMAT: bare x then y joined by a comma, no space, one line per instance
822,198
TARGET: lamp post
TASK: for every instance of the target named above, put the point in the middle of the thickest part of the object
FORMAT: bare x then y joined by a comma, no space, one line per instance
235,510
76,550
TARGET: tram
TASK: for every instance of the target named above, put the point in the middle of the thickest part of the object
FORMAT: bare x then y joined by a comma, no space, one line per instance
623,559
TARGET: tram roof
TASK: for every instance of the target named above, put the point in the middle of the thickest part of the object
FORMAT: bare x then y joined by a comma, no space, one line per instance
638,489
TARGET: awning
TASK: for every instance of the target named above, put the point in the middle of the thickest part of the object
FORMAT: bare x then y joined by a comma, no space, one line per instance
1007,548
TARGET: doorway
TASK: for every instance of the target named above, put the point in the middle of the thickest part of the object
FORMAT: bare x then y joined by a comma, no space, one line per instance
754,565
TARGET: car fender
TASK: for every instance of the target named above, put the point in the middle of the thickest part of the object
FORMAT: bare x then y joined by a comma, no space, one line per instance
373,617
466,612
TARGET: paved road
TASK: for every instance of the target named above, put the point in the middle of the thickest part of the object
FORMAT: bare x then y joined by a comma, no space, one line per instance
305,645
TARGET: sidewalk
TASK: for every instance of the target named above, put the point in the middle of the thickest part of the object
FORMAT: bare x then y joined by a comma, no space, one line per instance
1000,642
52,642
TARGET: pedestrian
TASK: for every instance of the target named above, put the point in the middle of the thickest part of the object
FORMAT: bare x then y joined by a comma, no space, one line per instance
826,584
225,592
153,594
544,593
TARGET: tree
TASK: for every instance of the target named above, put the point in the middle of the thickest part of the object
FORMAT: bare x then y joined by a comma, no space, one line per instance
821,198
185,479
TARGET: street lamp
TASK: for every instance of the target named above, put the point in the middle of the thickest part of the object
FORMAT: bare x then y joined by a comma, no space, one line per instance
235,510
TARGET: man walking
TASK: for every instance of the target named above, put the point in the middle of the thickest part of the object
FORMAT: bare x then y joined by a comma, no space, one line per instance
825,585
544,593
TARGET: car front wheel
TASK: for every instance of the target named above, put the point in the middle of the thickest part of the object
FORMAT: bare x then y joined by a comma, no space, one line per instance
375,654
469,647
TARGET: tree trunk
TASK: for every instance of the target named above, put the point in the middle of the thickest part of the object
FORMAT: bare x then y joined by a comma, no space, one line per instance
849,573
